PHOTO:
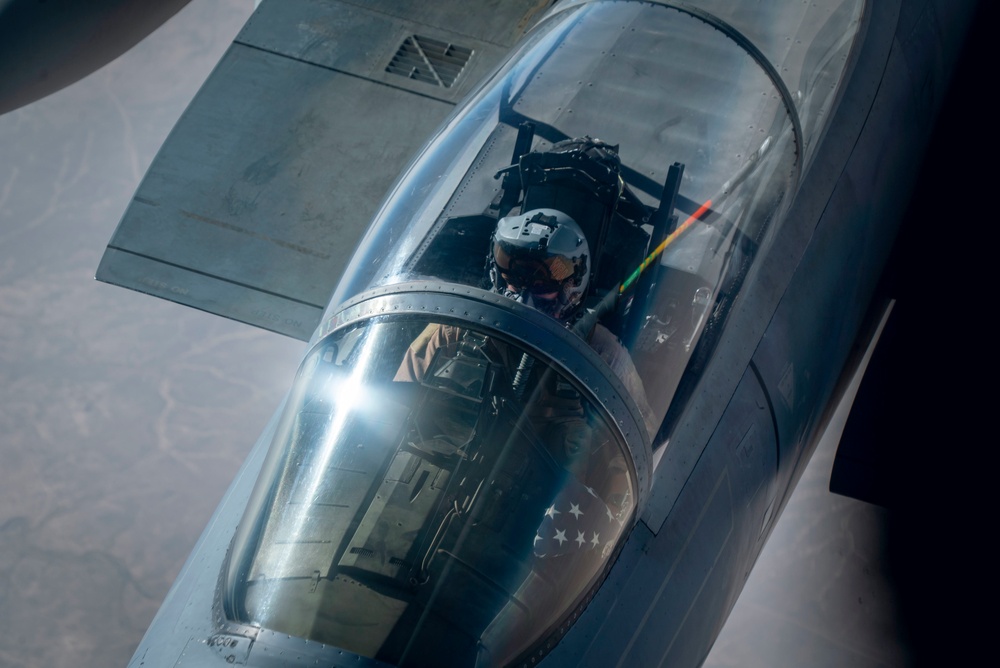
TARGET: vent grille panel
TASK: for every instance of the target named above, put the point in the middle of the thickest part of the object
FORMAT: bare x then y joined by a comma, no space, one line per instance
429,60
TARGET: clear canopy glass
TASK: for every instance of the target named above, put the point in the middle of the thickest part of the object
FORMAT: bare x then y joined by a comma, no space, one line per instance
435,495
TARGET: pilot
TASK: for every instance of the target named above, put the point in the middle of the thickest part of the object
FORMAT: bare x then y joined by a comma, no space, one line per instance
541,259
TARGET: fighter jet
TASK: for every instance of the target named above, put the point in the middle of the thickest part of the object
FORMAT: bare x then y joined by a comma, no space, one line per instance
556,398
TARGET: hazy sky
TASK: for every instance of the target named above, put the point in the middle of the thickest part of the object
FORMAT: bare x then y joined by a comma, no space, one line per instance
123,417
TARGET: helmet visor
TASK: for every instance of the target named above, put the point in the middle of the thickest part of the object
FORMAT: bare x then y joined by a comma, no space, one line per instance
536,275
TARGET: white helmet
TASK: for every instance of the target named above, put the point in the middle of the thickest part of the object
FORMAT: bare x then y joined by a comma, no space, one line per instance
540,258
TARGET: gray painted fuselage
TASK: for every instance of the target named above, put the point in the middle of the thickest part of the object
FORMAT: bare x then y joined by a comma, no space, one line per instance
714,477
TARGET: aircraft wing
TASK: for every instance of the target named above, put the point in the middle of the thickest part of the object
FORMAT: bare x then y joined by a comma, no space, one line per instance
256,200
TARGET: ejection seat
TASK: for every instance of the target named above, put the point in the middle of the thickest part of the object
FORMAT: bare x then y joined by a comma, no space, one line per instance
582,178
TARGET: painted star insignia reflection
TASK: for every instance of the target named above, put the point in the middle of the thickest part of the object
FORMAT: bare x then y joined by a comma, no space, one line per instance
592,519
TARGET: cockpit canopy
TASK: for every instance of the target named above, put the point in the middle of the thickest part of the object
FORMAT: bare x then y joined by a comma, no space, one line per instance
670,145
436,494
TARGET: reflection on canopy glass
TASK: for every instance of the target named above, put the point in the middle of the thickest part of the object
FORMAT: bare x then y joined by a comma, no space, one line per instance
434,496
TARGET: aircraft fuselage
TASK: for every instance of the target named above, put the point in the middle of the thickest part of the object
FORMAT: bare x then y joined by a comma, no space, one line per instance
413,503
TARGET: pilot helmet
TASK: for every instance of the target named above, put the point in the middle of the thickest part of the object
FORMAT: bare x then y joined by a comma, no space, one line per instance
540,258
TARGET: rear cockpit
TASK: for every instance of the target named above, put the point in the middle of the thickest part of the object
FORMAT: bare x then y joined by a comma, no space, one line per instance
674,194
